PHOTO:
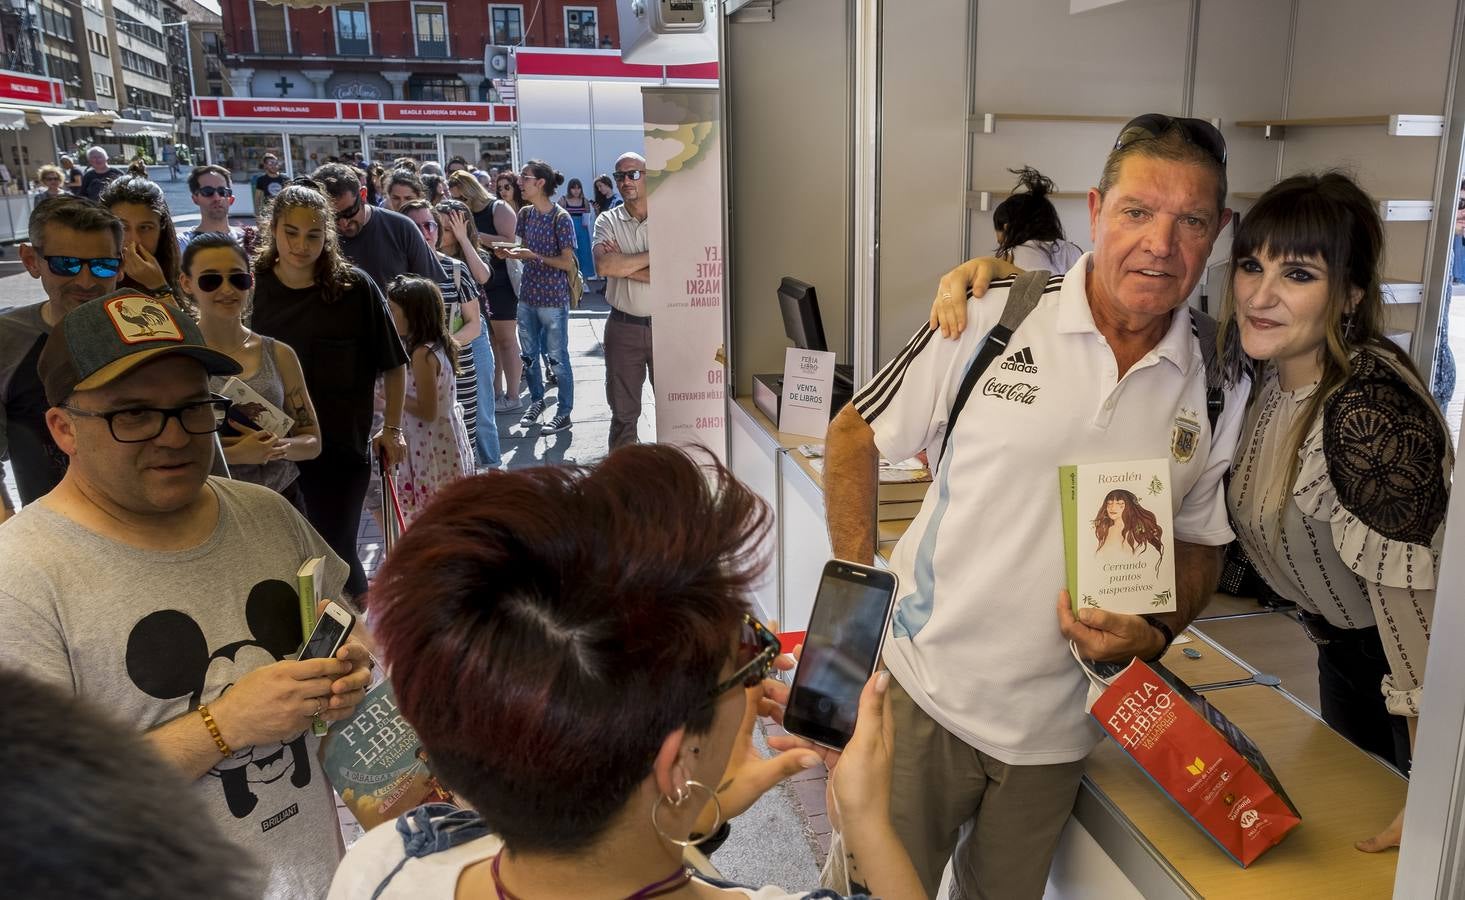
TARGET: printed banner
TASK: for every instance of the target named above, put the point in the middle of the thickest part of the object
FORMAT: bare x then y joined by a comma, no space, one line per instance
684,212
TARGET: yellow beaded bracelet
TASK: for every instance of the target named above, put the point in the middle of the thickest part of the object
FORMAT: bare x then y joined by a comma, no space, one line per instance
212,726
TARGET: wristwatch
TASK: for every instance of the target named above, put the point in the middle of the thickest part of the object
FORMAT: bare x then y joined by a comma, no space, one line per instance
1165,630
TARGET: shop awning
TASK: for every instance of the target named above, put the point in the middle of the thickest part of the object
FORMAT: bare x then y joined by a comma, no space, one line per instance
141,128
12,120
76,118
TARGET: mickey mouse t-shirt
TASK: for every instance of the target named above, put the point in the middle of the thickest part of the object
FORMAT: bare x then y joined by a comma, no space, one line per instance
148,635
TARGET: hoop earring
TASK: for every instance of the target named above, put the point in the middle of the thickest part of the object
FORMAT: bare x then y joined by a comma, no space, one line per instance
684,793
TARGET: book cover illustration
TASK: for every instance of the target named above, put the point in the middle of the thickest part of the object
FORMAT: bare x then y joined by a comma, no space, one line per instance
1119,535
376,763
252,408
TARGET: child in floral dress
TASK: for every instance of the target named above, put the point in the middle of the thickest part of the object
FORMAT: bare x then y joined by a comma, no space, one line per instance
438,451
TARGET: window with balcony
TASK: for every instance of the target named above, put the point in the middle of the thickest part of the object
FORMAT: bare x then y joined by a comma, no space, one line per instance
508,25
580,30
128,25
353,30
436,87
430,29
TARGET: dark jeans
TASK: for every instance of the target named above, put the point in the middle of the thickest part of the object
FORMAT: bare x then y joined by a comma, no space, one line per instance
1350,668
334,490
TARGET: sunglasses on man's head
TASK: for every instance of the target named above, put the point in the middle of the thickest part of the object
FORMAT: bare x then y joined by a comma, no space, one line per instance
70,266
1152,126
633,174
209,190
212,281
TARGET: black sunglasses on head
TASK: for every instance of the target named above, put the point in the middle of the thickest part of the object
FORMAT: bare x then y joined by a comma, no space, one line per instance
1152,126
212,281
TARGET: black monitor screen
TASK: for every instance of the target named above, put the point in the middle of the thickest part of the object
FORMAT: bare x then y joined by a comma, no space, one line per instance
801,320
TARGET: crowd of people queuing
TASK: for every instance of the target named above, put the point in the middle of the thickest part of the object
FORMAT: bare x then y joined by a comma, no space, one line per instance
389,313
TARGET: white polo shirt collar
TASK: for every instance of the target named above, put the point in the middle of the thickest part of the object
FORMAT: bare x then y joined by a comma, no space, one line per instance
1076,317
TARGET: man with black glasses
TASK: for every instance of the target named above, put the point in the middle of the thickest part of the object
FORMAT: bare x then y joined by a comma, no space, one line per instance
380,242
212,189
623,256
168,597
1107,365
75,249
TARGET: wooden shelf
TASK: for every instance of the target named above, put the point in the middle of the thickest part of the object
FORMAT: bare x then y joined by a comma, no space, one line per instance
1398,124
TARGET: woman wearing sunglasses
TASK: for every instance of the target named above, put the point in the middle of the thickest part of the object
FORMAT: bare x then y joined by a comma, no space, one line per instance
216,277
149,240
52,182
579,662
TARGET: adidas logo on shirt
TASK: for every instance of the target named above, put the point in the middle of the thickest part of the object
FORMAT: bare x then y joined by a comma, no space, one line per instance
1021,361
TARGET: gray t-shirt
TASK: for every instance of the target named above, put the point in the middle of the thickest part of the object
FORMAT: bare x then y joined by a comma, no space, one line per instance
390,245
148,635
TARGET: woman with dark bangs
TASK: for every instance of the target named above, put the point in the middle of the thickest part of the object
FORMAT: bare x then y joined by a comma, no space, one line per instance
1125,528
149,240
582,668
1341,480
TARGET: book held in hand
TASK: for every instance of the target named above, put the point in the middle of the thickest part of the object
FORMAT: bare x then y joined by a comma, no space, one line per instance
1119,535
255,411
376,763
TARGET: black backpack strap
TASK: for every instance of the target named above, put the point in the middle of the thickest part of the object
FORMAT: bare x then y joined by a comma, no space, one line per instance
1204,329
1022,297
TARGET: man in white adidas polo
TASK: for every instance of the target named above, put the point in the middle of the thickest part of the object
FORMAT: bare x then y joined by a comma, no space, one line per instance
988,703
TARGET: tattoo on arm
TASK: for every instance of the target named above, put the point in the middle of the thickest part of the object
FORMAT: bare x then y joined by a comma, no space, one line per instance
301,408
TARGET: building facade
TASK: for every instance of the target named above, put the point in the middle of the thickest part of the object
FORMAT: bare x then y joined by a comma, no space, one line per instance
397,49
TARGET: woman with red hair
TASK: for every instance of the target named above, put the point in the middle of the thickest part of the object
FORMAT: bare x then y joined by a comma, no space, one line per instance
579,660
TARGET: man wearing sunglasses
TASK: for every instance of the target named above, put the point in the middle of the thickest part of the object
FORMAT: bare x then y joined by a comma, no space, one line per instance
379,241
75,250
988,702
173,591
212,189
623,256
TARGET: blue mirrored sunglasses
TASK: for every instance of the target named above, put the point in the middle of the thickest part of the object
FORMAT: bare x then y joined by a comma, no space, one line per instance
70,266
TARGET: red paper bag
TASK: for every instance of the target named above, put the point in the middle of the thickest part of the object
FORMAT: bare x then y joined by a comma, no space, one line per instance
1199,758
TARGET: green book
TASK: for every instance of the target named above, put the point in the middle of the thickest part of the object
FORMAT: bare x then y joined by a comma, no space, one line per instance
1119,535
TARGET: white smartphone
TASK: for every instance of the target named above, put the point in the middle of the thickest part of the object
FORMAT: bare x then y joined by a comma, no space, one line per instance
846,631
331,631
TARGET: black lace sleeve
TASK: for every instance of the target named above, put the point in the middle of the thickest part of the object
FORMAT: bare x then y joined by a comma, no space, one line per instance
1385,452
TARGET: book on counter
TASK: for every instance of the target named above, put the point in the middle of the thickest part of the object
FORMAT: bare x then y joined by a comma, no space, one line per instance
1119,535
376,763
255,411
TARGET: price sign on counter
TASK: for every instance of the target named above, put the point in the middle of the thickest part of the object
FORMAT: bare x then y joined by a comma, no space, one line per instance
808,377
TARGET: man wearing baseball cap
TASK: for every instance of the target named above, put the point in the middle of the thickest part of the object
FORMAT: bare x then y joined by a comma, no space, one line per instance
149,587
